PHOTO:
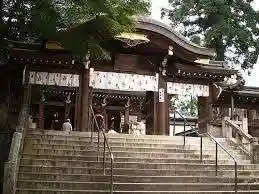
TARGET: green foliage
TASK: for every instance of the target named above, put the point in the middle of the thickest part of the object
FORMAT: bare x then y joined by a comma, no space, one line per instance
186,104
227,25
80,25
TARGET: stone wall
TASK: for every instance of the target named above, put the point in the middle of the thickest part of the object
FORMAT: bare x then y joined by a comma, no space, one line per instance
215,131
5,143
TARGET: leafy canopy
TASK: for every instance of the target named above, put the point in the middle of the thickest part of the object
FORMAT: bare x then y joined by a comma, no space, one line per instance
80,25
229,26
186,104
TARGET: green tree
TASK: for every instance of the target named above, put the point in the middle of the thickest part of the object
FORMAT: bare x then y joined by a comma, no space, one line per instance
229,26
186,104
79,25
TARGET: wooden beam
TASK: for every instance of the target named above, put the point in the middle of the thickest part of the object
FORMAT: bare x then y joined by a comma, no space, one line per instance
117,108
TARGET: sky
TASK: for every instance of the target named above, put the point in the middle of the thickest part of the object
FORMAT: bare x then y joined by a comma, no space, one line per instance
251,80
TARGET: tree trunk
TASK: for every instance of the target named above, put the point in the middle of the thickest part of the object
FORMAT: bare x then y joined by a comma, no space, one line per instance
220,54
220,49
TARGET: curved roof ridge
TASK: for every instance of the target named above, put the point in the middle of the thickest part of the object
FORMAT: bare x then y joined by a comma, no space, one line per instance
150,24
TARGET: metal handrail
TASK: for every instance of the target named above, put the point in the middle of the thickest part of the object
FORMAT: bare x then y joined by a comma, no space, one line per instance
201,146
194,130
105,143
185,122
216,157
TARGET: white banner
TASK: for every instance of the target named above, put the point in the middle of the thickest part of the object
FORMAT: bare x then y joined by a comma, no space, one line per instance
123,81
161,95
118,81
193,89
55,79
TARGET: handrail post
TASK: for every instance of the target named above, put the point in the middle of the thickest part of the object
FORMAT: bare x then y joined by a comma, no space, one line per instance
235,176
216,159
104,145
174,124
201,154
92,130
184,132
98,146
112,158
224,149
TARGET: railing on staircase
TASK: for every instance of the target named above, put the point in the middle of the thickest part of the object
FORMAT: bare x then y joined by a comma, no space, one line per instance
243,139
194,130
105,144
216,157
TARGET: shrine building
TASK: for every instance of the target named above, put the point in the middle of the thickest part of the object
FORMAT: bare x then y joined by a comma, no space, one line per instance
147,68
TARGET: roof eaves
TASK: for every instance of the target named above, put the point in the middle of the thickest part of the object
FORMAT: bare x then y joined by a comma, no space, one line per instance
165,30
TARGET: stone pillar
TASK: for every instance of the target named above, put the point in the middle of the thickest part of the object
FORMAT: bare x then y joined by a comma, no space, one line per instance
162,107
84,108
226,129
26,94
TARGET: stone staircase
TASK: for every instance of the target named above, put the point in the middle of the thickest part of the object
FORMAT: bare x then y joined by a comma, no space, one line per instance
58,163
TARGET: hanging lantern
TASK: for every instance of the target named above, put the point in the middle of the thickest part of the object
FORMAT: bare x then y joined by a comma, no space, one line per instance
132,39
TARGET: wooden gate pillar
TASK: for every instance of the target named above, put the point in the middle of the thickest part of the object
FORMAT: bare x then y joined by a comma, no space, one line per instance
204,112
68,106
84,108
162,113
41,112
77,104
127,112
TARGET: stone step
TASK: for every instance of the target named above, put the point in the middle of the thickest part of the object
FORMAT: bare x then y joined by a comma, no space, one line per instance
58,162
109,135
87,142
81,135
128,139
72,141
179,149
134,171
63,191
30,184
95,164
134,147
130,159
133,179
122,144
131,153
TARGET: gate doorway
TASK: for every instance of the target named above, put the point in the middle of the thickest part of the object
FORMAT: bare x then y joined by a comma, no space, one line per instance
183,108
51,106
